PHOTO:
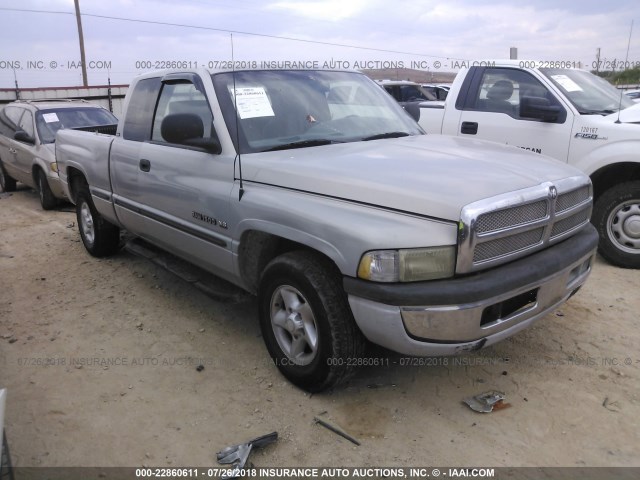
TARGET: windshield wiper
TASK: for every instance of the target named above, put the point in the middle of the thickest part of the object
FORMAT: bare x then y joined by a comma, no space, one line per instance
596,112
302,143
386,135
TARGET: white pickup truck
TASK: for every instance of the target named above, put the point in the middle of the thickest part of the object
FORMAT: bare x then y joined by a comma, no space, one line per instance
568,114
315,191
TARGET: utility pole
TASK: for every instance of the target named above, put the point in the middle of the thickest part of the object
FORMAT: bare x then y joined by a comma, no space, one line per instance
81,37
597,60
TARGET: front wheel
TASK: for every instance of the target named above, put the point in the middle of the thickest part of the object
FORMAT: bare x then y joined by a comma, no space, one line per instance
47,200
306,321
99,237
616,215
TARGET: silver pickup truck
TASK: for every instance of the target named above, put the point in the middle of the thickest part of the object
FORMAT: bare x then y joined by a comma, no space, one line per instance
317,192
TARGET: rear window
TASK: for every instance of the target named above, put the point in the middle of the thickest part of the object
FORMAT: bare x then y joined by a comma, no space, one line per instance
49,121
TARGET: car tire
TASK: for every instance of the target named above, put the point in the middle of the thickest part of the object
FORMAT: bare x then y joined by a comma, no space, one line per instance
7,184
616,215
306,321
99,237
47,200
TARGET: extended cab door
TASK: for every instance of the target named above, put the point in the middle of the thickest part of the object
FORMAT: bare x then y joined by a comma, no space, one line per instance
511,106
168,185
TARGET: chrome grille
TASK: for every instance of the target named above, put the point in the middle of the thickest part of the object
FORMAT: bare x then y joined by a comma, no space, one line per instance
500,229
570,199
509,217
514,243
565,225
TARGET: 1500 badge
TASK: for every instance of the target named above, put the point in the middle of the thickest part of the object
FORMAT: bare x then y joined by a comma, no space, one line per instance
207,219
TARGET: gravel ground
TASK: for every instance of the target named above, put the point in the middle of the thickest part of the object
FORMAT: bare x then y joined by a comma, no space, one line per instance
99,358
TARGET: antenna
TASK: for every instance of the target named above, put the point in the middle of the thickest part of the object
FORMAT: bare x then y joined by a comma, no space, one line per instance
15,77
109,90
625,62
235,107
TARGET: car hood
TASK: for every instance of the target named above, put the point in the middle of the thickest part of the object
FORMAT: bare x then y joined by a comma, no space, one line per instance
46,151
427,175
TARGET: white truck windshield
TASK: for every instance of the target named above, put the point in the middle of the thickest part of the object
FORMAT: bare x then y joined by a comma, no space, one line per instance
589,93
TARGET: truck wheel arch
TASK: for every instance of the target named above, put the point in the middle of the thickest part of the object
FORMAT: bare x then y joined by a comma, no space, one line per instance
257,248
610,175
76,181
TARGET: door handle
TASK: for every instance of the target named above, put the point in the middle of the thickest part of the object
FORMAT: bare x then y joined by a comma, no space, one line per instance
145,165
469,128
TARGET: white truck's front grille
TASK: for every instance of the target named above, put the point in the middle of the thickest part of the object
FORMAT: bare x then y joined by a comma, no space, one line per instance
499,229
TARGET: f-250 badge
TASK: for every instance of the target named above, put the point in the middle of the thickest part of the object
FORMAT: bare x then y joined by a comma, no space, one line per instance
590,136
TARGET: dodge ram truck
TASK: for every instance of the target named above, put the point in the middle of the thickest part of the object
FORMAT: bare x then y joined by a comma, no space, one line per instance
568,114
317,192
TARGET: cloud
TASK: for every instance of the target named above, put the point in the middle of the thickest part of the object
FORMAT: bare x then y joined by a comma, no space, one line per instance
333,10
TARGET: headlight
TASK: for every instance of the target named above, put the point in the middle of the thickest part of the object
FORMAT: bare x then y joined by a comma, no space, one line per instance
408,265
54,167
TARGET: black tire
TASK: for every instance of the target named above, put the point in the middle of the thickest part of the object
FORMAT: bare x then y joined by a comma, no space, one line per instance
99,237
616,215
7,184
315,284
47,200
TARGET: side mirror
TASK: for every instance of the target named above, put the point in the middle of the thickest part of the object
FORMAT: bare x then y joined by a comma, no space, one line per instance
540,108
23,136
413,109
187,129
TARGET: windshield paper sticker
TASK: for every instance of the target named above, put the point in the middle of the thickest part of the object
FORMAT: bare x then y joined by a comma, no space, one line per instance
252,102
566,83
50,117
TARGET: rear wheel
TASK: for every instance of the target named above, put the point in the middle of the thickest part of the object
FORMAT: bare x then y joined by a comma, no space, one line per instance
616,215
306,321
7,184
47,200
99,237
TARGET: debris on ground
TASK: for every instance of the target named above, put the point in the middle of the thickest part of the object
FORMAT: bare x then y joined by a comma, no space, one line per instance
611,406
237,455
486,402
336,430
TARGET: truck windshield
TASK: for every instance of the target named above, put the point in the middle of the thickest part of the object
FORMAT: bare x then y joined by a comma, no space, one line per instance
279,109
589,93
49,121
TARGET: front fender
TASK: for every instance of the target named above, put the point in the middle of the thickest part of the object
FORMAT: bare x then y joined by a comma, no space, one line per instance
622,151
340,229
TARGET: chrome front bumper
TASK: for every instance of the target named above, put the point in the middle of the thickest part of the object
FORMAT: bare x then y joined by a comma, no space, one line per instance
479,318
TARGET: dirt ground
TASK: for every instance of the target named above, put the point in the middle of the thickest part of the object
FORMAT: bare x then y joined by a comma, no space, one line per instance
99,358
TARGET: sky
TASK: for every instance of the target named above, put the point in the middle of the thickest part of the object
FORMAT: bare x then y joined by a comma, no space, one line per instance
40,49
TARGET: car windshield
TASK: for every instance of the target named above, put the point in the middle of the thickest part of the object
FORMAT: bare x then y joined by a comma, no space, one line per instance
49,121
279,109
589,93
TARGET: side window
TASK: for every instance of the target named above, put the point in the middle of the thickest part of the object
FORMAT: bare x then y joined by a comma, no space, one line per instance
178,101
13,115
137,123
26,123
502,91
9,117
391,90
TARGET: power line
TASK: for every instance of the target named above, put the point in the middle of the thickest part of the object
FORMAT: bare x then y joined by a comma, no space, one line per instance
238,32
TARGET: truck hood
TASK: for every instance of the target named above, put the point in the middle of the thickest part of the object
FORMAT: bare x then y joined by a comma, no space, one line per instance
628,115
432,175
